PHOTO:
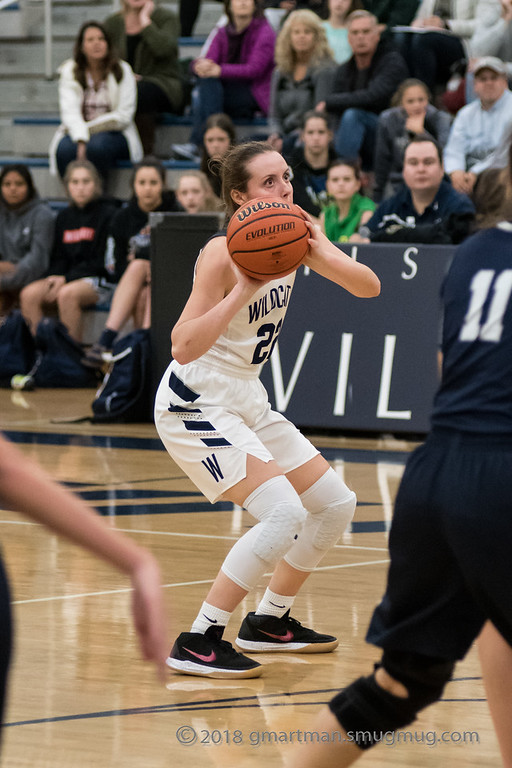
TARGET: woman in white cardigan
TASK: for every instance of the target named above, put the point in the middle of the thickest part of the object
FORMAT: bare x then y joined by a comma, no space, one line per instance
97,98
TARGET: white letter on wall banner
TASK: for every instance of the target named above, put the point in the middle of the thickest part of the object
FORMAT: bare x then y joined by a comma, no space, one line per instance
410,263
341,385
283,397
385,383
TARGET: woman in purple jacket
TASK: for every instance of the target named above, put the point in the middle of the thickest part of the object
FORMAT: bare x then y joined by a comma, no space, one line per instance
234,77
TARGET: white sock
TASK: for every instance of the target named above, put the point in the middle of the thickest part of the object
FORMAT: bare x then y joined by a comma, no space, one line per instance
273,604
210,616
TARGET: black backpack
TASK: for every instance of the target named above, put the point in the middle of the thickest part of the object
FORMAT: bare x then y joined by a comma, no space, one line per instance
125,394
59,358
17,348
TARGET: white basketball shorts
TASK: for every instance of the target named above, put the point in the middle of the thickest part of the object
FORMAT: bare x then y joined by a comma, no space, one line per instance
209,422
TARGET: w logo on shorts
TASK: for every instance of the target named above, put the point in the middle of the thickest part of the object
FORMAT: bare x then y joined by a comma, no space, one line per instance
212,465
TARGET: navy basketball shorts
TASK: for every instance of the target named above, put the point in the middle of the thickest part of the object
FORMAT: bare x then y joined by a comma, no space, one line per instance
210,422
450,546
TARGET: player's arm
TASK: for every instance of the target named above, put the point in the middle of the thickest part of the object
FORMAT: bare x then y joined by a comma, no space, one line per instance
329,261
220,290
24,487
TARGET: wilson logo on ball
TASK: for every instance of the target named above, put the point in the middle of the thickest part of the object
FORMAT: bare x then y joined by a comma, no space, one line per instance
260,205
268,238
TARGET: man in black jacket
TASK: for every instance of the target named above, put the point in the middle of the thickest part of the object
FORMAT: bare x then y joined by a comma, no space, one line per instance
426,209
362,88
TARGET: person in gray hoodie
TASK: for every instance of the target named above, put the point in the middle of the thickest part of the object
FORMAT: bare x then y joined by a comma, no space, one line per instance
26,233
410,115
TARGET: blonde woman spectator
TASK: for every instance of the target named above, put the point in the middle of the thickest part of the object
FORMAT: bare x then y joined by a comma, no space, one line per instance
303,58
194,193
76,277
97,98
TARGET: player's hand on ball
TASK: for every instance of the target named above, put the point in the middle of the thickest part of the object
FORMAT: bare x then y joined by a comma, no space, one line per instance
251,284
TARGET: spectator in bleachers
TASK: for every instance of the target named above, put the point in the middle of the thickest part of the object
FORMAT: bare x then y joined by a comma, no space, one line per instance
146,36
492,197
410,114
219,136
309,163
317,6
392,13
426,209
495,37
189,11
336,27
128,253
347,208
362,88
195,195
302,56
235,76
97,98
445,37
76,277
479,126
26,233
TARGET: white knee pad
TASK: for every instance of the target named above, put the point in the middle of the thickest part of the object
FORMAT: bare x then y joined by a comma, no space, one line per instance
277,506
331,506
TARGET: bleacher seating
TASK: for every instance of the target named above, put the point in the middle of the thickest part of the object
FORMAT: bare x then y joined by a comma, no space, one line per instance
29,108
29,105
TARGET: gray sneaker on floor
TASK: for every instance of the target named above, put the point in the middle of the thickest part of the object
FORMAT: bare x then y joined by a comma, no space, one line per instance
97,356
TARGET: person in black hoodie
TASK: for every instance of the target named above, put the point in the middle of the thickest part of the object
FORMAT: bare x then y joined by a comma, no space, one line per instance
309,163
362,87
76,276
128,253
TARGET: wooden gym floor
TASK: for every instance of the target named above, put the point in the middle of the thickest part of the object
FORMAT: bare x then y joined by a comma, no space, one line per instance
79,695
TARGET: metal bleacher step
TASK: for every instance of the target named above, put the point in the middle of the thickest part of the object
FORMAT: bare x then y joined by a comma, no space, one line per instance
32,133
50,187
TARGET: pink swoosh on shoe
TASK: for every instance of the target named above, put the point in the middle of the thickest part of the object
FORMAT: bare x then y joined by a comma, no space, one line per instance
201,657
283,638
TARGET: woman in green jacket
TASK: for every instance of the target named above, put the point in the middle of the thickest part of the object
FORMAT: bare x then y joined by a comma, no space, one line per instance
146,36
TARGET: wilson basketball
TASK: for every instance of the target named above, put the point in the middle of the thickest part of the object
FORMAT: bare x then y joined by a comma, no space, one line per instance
267,238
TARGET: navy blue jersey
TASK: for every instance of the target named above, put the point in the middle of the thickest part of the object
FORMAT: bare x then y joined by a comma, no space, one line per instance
476,388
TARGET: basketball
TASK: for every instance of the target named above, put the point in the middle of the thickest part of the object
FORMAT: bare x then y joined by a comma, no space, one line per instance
267,238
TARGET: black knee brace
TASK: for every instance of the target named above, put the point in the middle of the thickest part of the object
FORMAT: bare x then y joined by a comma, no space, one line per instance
367,712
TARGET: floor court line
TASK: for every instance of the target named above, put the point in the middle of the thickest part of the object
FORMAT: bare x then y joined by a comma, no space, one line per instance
105,592
175,584
194,535
231,538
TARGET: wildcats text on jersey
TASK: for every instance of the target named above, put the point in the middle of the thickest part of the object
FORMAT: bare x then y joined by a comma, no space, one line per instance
276,297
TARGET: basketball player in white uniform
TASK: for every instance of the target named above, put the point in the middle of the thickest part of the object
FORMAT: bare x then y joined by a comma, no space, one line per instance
213,416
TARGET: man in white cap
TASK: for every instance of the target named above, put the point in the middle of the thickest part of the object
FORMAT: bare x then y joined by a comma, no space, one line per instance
478,127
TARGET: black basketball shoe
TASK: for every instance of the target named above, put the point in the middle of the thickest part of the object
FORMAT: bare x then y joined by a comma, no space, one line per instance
209,655
260,634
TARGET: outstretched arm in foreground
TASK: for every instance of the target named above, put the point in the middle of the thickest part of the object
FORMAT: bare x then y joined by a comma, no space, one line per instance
24,487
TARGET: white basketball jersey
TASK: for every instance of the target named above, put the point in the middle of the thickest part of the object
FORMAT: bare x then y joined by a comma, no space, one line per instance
252,333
